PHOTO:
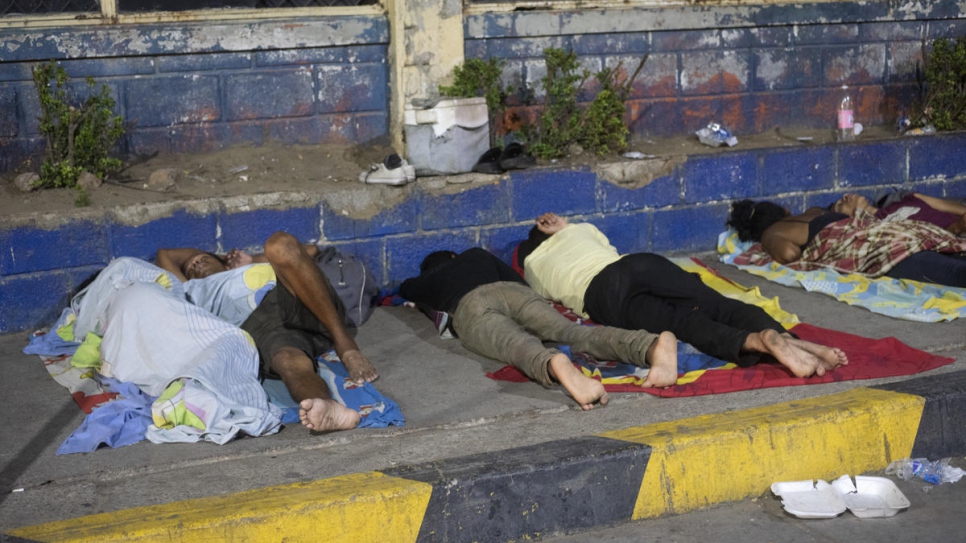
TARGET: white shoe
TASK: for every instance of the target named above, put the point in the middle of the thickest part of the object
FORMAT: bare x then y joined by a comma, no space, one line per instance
393,170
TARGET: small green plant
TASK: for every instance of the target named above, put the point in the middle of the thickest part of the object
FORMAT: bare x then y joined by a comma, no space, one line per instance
942,85
604,128
598,127
79,134
559,123
477,77
82,199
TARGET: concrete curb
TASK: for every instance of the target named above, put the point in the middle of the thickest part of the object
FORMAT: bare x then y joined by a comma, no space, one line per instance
572,484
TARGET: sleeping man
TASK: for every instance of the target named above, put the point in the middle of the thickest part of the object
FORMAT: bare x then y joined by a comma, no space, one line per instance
495,314
291,323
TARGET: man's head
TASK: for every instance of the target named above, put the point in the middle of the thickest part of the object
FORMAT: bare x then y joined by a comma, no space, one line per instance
434,260
202,265
848,203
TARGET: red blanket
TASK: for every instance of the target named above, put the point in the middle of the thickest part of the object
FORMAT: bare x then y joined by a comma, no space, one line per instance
868,359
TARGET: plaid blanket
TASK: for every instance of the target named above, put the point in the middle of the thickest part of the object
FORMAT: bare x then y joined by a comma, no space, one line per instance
867,245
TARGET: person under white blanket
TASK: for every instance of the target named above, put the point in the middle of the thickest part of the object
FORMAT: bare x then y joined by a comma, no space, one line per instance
152,336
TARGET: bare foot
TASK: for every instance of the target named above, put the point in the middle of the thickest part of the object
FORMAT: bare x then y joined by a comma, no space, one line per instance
801,362
830,357
326,415
584,390
662,356
360,368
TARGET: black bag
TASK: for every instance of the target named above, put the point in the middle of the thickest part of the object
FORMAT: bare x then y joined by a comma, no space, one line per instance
353,282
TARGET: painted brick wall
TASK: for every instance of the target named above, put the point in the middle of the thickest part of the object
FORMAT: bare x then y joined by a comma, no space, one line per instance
679,211
752,68
194,88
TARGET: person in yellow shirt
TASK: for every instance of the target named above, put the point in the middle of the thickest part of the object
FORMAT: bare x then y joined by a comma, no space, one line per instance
290,325
576,265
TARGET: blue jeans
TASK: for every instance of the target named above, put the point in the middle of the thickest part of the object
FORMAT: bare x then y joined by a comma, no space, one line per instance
931,267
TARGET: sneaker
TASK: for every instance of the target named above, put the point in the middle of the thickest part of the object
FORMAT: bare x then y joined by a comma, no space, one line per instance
393,170
443,324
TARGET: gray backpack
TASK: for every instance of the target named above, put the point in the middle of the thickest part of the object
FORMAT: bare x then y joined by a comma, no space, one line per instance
353,282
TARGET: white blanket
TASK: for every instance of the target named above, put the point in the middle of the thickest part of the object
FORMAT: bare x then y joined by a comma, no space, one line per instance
152,336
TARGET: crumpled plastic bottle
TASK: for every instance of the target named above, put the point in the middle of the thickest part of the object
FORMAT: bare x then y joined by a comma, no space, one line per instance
715,135
935,472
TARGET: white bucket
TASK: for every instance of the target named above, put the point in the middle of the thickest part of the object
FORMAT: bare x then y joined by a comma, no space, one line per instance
447,138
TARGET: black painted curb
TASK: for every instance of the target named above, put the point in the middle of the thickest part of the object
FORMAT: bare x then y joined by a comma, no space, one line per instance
558,486
942,428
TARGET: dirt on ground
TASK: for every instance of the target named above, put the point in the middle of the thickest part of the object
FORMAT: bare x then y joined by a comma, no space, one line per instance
274,168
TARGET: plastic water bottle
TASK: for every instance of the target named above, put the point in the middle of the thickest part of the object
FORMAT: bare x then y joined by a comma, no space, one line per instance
935,472
845,126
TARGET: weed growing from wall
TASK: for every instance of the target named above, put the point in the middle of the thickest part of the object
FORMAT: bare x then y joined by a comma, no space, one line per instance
559,123
942,85
562,121
598,127
604,129
79,134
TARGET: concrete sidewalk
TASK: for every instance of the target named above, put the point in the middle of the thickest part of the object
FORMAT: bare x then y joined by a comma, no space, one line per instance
478,460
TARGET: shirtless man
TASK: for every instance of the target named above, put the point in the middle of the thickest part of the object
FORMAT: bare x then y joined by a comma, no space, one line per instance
291,325
495,314
576,265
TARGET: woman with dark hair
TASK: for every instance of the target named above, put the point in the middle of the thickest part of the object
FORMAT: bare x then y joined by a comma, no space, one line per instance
861,243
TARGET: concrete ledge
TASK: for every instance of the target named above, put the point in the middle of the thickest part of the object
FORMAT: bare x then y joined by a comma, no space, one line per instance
566,485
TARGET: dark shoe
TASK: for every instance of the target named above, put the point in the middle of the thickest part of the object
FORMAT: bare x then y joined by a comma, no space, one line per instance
489,162
515,158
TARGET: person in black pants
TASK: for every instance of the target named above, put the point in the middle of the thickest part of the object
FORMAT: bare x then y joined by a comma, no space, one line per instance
576,265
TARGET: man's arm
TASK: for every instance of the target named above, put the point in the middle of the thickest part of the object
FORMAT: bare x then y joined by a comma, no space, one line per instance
173,260
939,204
416,290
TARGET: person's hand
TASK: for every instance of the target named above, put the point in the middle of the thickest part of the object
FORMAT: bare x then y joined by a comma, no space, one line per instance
237,258
550,223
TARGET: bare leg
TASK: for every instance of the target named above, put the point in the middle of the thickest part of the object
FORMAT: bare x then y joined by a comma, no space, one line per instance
298,273
801,362
663,359
317,410
585,391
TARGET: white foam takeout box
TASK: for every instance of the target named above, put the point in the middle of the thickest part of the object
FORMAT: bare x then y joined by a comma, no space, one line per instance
867,497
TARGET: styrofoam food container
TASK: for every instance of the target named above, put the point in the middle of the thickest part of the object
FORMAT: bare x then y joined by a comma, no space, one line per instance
870,497
809,499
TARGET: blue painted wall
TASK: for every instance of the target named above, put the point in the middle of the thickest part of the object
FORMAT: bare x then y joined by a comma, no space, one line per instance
680,212
202,86
196,87
199,87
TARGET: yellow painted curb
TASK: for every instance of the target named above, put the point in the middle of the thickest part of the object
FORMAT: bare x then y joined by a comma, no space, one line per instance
711,459
357,508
